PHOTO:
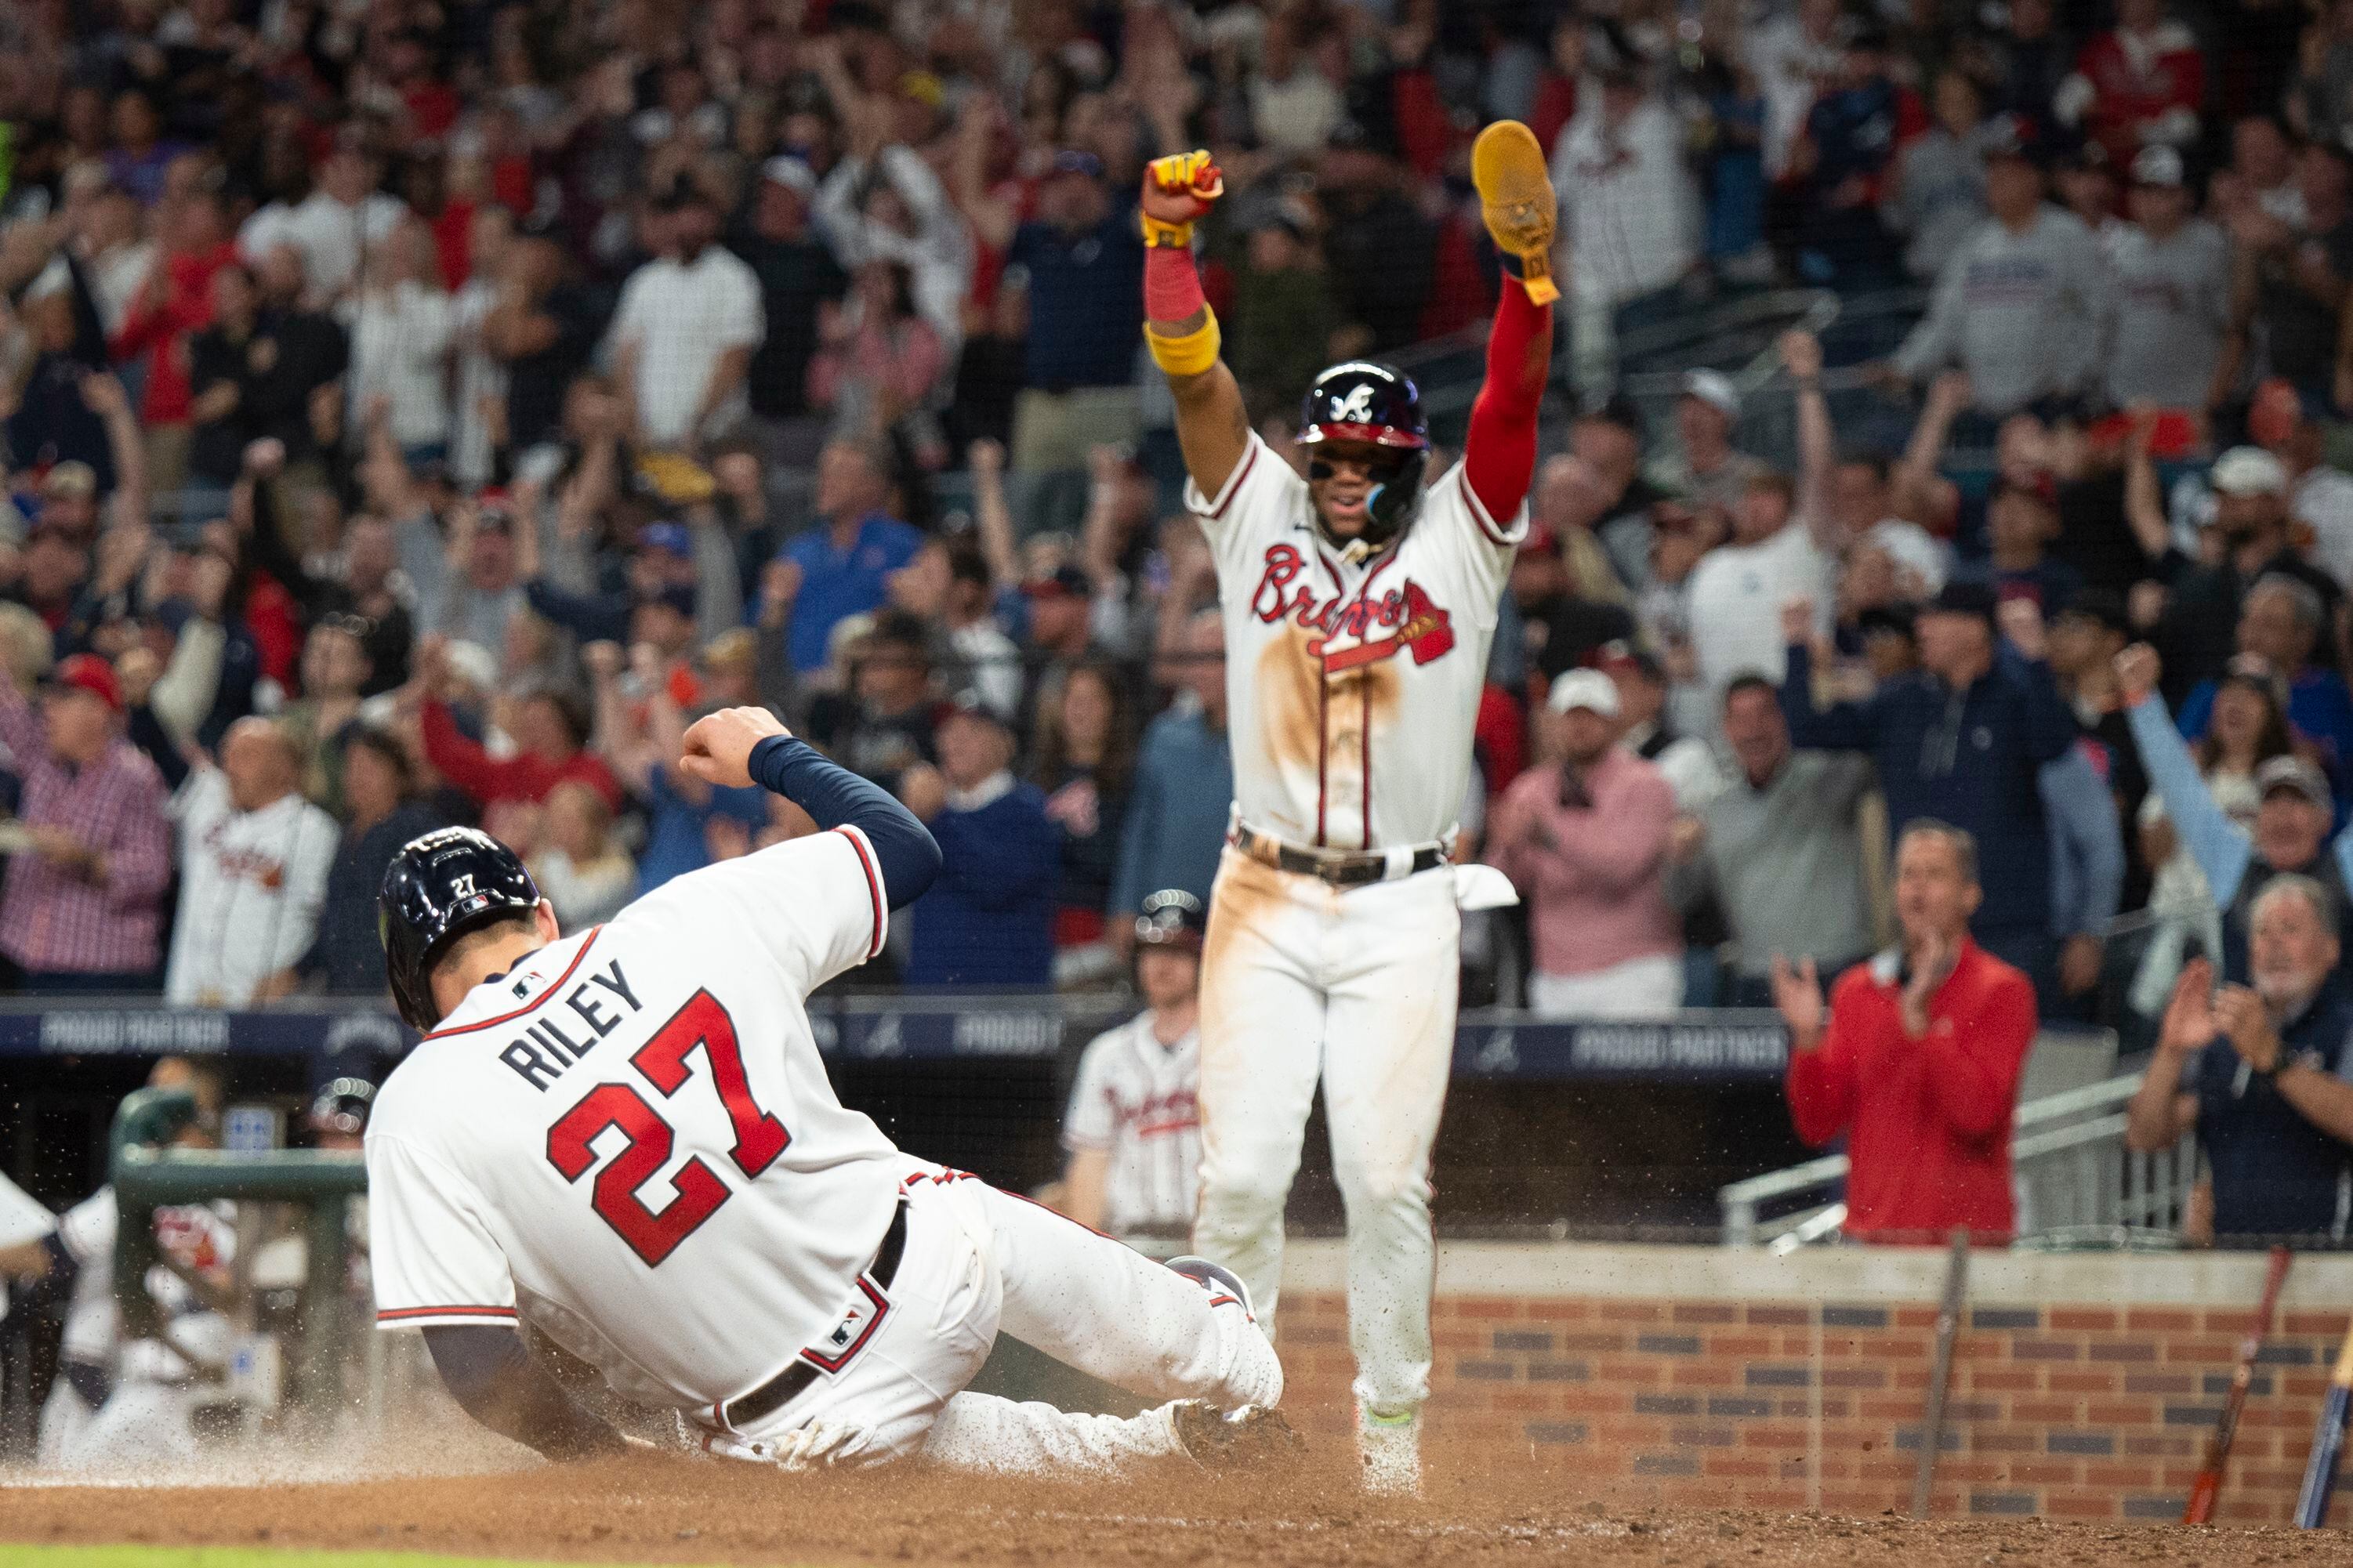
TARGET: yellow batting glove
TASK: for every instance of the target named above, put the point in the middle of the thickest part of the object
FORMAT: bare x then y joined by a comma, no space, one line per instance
1178,190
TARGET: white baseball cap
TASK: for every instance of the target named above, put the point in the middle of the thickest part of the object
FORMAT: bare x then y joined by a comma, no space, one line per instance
1586,688
792,173
1713,388
2248,471
2158,166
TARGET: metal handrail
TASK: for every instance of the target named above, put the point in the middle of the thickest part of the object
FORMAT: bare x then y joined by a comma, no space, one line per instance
2148,1187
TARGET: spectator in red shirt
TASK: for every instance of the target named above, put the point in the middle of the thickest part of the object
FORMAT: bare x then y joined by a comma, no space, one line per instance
1918,1060
176,305
549,734
2140,84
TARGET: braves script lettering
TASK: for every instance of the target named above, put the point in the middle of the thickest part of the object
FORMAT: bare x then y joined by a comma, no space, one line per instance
1415,623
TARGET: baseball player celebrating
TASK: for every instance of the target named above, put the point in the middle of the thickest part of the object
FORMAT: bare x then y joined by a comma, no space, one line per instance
1134,1130
1358,606
627,1137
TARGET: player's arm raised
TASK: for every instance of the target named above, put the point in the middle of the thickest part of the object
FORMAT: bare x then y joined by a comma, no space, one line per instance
1515,196
1212,426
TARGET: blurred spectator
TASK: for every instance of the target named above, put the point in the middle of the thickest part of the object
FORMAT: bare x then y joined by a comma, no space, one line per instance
542,327
254,860
479,392
335,229
842,568
1962,741
2137,86
1083,758
1585,839
1937,198
1380,248
682,336
1851,137
578,867
2032,57
1081,262
2172,294
880,364
401,325
890,206
2256,1071
1629,216
2021,520
549,734
2281,622
988,921
1794,56
1704,469
2018,304
1285,312
948,584
2289,272
335,670
1780,850
1177,815
881,726
375,784
2289,834
1784,540
83,908
689,823
1133,1128
2320,495
1645,729
177,302
1916,1058
798,275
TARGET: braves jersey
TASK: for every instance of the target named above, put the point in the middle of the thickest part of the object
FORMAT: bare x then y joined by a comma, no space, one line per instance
1351,686
630,1140
1135,1098
251,886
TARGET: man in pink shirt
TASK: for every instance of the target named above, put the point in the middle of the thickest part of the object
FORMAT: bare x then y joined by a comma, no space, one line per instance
1584,839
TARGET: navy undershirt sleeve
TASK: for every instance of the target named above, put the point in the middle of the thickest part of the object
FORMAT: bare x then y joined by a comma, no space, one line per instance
904,850
491,1375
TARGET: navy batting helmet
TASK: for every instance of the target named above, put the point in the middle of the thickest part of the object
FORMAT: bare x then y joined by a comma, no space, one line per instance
1171,918
1378,405
439,887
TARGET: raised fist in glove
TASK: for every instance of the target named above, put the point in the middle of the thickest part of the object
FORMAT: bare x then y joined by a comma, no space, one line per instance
1178,191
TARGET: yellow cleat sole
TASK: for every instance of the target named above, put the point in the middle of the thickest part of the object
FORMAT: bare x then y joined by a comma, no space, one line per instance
1515,197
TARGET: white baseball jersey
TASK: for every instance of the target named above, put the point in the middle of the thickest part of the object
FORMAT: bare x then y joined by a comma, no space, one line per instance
201,1236
1353,687
251,886
86,1231
630,1140
1135,1098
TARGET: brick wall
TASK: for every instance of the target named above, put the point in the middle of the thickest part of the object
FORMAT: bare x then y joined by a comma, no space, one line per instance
1736,1378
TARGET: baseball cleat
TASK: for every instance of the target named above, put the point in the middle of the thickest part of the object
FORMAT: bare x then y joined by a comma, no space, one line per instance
1390,1449
1217,1279
1253,1436
1517,199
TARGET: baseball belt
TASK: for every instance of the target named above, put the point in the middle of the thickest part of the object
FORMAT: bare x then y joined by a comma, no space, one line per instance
788,1385
1339,867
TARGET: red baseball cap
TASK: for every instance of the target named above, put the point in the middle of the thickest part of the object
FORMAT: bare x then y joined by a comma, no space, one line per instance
88,673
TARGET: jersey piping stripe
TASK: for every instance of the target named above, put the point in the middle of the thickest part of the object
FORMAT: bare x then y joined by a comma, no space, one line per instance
1479,512
1234,485
554,986
873,884
405,1314
1365,752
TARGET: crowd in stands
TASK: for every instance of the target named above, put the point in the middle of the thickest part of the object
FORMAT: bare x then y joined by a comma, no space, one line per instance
418,412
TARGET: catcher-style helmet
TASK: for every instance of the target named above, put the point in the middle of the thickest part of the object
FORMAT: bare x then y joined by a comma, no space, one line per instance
1171,918
439,887
1379,405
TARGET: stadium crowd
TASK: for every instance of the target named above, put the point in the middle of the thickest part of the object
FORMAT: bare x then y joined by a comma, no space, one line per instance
417,412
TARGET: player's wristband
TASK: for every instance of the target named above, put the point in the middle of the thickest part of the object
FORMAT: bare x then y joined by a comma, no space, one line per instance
1190,354
1163,235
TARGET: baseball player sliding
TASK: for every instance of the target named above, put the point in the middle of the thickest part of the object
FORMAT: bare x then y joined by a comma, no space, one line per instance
1359,605
627,1137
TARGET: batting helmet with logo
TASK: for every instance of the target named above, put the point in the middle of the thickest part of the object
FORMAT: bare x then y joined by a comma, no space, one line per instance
1377,405
439,887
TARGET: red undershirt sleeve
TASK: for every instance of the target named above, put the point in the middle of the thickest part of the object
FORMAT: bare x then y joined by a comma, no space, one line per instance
1499,454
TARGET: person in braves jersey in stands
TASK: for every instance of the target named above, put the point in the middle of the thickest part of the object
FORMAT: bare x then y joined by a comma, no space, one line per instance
1135,1130
626,1139
1359,604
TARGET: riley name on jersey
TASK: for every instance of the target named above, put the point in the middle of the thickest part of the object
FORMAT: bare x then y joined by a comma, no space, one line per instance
545,1049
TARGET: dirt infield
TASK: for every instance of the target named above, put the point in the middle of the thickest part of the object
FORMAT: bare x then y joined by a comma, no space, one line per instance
1484,1508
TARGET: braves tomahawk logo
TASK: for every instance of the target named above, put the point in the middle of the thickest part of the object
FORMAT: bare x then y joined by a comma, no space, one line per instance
1414,624
1357,408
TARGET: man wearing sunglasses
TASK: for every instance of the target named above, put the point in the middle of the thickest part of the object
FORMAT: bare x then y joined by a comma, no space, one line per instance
1359,605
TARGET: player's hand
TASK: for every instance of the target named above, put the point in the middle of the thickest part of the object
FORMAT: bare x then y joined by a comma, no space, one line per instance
1181,188
718,748
2137,671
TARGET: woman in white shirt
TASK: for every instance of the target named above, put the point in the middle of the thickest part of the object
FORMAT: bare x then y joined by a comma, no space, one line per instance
584,873
401,322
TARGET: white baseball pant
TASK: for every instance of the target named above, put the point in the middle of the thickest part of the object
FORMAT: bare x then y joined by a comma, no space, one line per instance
1300,980
978,1260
